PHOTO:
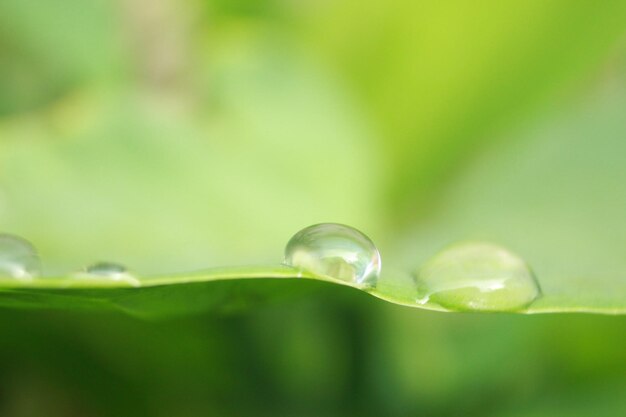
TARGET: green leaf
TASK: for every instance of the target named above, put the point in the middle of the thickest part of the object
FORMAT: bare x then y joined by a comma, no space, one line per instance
47,49
135,183
161,194
218,289
556,199
440,79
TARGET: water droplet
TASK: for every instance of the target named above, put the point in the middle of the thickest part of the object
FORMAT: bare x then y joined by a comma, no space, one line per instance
108,271
18,258
336,251
477,276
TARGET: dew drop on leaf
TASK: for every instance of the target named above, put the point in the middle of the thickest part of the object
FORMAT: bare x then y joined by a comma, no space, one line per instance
477,276
108,271
336,251
18,258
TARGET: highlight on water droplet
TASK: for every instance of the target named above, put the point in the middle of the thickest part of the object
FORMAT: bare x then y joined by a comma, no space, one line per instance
337,251
101,272
478,276
18,258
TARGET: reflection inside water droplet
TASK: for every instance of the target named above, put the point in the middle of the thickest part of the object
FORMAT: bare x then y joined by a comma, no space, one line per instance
477,276
18,258
108,271
336,251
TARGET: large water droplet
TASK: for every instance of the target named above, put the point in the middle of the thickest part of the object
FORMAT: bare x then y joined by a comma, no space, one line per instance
18,258
336,251
108,271
477,276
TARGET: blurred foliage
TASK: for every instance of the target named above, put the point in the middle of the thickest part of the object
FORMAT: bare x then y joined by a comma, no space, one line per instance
556,195
440,78
172,136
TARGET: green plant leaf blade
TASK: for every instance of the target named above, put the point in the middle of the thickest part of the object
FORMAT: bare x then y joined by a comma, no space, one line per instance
556,199
217,289
238,288
438,81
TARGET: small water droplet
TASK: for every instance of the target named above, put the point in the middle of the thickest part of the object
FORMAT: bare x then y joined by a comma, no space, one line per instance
108,271
336,251
477,276
18,258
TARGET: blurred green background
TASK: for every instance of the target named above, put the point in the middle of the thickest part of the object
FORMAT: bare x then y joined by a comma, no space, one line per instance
172,136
